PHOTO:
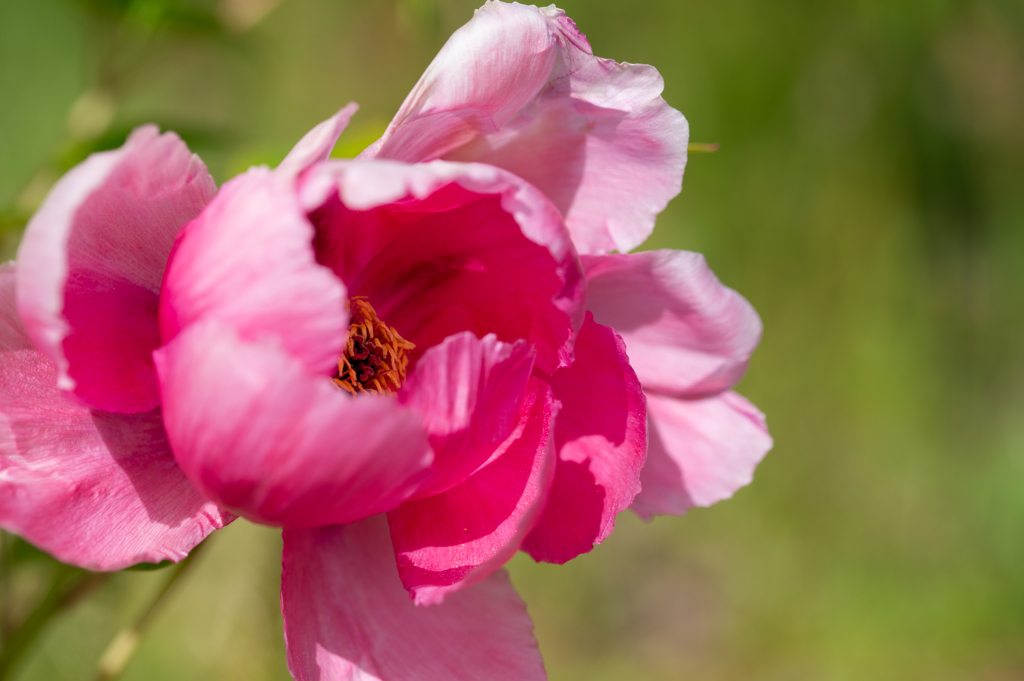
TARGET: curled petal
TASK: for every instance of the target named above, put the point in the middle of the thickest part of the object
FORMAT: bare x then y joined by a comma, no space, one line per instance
256,432
452,540
467,391
487,71
346,617
601,438
686,333
247,261
95,489
91,263
440,248
519,87
316,145
701,451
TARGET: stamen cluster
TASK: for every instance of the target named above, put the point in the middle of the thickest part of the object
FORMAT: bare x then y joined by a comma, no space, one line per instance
375,359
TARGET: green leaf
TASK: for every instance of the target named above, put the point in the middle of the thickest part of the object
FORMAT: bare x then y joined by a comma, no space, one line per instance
23,552
149,567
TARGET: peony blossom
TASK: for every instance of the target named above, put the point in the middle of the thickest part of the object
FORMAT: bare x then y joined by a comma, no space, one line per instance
416,362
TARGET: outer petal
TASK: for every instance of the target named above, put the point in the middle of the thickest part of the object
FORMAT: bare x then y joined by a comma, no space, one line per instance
467,391
487,71
253,430
247,261
454,539
347,617
601,438
441,248
316,145
686,334
91,262
95,489
701,451
519,87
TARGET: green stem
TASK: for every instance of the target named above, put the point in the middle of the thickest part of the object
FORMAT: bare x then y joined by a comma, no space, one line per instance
122,647
67,587
5,587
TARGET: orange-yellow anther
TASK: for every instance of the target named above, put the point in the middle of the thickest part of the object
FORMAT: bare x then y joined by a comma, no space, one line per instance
375,357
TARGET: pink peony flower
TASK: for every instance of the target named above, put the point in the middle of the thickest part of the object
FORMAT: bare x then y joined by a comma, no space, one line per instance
417,362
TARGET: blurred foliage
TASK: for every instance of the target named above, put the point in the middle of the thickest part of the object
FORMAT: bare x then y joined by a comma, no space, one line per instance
154,15
867,197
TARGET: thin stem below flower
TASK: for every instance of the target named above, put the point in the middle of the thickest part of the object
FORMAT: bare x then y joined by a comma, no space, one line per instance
68,586
5,587
122,647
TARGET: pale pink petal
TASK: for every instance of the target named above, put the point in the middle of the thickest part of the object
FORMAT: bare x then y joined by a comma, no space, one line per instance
347,617
520,88
601,437
449,541
248,261
467,391
260,435
487,71
95,489
316,145
91,263
441,248
686,333
701,451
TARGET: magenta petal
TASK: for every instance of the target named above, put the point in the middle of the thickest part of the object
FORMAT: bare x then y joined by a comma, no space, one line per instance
440,248
701,451
248,261
454,539
316,145
347,617
91,263
95,489
256,432
519,87
601,436
467,391
686,334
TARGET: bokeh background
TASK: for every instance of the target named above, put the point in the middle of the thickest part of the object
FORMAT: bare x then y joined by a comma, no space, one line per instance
868,199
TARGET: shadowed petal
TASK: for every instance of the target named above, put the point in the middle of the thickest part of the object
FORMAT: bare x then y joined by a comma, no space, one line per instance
601,437
686,334
256,432
91,263
346,617
95,489
454,539
701,451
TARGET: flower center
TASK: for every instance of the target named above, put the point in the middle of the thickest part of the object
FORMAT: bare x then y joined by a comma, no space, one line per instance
375,357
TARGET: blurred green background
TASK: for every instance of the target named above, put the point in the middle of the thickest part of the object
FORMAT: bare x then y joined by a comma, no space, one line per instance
868,198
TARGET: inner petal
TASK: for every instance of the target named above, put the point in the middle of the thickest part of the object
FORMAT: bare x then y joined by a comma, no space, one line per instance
453,261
